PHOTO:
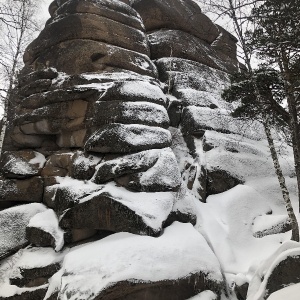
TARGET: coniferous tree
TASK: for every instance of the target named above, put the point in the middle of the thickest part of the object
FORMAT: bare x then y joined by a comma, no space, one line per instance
277,39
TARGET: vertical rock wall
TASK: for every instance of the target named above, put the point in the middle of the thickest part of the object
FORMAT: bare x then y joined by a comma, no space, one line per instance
90,142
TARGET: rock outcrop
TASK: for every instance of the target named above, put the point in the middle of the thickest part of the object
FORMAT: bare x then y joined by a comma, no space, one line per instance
105,153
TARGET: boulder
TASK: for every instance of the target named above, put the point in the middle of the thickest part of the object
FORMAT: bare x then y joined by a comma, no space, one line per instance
114,263
75,139
113,10
113,208
50,119
86,27
21,189
277,272
13,222
183,73
103,212
67,192
29,273
178,15
124,165
34,87
163,176
174,112
196,120
84,165
226,43
21,164
120,138
145,113
191,97
219,181
137,90
28,294
175,43
28,78
43,100
58,165
93,56
31,141
286,272
43,231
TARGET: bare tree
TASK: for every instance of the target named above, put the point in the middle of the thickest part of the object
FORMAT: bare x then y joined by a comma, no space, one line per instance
239,12
17,26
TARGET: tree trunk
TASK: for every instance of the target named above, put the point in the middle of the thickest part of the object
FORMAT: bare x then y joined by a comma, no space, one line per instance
3,125
281,180
294,124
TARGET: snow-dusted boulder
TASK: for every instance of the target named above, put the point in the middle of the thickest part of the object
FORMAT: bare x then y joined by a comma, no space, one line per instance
115,209
146,113
136,90
21,164
163,176
13,222
176,43
20,190
84,165
126,164
277,272
219,181
176,14
120,138
43,230
113,10
135,267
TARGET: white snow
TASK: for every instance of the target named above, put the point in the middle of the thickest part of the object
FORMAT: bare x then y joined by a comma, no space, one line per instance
205,295
291,292
124,256
48,222
39,159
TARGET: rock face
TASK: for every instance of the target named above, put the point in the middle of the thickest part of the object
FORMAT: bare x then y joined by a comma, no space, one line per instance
90,138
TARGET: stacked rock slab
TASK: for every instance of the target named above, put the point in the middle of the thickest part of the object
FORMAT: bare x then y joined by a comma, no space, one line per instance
193,57
89,141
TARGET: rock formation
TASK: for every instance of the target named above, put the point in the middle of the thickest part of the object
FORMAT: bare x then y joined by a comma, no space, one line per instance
104,154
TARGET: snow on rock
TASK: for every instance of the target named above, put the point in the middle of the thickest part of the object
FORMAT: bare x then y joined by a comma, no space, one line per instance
284,262
119,111
205,295
291,292
137,90
125,164
270,224
120,138
163,176
13,222
21,164
68,191
139,260
83,165
235,245
46,222
17,273
199,119
116,209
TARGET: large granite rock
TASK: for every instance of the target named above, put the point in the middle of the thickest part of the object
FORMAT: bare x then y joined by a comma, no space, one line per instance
176,14
89,136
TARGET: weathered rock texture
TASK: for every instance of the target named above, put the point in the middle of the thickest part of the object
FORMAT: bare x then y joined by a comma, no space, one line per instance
89,132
